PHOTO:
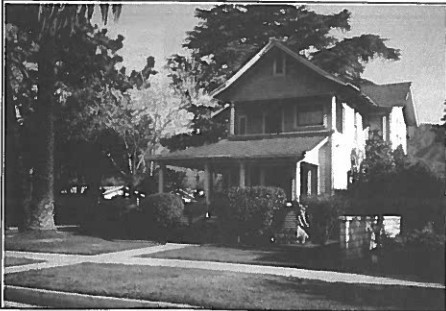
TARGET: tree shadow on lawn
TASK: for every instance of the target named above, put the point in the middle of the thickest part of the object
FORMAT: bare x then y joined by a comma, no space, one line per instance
377,296
330,257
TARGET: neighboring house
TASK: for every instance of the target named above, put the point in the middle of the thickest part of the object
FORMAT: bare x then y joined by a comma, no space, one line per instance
295,126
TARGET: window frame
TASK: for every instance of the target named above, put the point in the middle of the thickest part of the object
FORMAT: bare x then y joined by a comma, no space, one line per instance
275,64
298,109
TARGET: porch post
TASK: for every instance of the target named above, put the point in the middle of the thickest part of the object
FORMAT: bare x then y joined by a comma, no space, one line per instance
248,175
232,120
242,172
297,181
262,176
207,181
161,178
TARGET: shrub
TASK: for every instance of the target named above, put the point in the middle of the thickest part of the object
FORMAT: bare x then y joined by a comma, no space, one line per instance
164,210
323,213
251,210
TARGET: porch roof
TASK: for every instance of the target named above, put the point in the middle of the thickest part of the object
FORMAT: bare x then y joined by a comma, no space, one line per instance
226,149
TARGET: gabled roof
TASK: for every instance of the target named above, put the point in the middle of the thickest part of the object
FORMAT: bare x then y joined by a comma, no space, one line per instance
387,95
276,43
392,95
278,147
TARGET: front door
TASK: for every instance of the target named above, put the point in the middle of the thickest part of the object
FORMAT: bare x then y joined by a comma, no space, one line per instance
308,179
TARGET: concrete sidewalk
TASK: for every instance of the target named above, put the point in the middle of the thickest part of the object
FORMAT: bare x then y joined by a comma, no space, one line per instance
128,258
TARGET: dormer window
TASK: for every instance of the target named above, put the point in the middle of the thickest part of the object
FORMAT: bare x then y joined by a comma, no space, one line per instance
279,64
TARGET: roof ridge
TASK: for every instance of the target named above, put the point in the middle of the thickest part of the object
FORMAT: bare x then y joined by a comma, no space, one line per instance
387,84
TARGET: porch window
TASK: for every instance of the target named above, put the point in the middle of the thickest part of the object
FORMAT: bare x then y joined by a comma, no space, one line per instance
309,115
242,123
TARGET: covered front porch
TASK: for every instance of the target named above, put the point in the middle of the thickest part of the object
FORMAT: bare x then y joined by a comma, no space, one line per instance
295,164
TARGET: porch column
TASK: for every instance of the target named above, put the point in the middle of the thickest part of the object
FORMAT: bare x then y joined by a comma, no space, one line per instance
232,120
161,178
242,172
262,176
296,183
207,183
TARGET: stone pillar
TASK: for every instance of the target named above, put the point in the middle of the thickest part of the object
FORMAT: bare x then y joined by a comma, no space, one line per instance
161,178
242,172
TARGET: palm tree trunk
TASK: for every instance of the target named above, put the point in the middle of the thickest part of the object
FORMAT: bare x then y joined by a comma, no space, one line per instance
40,212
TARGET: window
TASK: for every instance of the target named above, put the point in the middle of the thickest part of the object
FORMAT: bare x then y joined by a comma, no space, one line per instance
339,117
279,64
272,121
309,115
242,125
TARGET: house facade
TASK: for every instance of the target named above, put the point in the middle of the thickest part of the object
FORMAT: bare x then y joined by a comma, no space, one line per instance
295,126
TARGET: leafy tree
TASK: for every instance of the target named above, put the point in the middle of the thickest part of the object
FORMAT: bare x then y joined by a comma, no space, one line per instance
45,30
184,72
230,34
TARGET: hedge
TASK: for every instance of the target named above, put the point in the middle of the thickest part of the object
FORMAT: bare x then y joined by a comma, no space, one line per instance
323,212
165,210
250,211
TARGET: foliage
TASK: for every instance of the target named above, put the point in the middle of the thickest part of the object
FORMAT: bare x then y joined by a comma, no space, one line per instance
183,72
48,35
323,213
165,210
425,240
252,209
228,35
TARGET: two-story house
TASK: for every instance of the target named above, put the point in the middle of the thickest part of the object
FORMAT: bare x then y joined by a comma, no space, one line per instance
295,126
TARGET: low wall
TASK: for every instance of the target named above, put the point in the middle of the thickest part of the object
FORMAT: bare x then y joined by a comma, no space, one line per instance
355,234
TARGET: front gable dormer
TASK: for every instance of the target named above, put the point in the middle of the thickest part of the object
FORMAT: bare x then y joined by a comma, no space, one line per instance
277,72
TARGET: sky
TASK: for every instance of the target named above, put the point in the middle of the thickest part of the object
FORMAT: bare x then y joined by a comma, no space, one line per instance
158,30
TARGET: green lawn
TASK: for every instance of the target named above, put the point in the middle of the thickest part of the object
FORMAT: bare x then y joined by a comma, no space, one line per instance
318,258
14,261
66,243
224,290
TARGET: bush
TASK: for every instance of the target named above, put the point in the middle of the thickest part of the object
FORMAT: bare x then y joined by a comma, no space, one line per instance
163,211
323,213
250,211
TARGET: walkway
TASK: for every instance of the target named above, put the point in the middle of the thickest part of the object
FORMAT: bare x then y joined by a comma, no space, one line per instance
129,257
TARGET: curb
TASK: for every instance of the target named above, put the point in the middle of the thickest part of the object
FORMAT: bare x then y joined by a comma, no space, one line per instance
59,299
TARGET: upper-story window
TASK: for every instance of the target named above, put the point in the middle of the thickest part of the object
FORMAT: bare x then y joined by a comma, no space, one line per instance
272,121
309,115
242,125
279,65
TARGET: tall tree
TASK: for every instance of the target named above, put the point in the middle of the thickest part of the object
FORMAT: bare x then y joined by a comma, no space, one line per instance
46,26
228,35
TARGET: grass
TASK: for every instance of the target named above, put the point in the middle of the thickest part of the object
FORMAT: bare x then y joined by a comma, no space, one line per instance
224,290
15,261
66,243
318,258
